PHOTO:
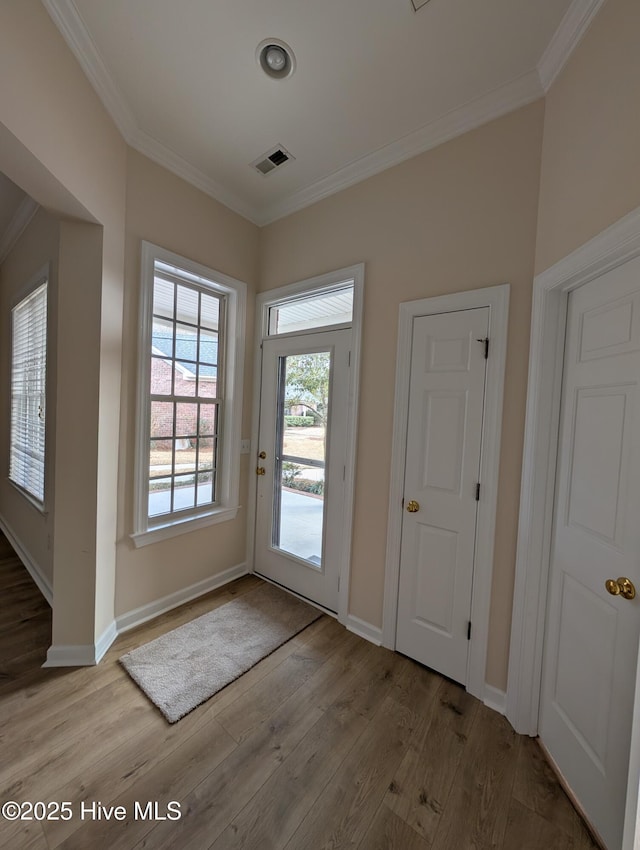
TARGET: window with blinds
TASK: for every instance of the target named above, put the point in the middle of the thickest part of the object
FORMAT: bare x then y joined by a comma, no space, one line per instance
28,391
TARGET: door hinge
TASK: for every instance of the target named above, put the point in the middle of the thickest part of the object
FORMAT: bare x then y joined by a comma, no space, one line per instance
469,630
478,492
485,340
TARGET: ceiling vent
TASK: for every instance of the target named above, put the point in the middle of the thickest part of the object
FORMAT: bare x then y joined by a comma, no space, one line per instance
275,158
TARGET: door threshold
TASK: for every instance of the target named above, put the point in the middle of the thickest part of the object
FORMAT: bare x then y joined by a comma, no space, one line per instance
317,605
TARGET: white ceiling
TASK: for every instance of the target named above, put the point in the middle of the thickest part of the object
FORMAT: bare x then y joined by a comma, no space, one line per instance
375,82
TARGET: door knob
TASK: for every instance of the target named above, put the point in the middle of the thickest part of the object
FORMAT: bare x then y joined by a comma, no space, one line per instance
260,470
413,507
262,455
622,587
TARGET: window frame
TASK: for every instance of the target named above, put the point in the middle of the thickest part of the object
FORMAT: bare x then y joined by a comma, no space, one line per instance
40,279
152,529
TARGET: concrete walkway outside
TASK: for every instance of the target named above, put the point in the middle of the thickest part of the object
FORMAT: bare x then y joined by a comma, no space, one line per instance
300,522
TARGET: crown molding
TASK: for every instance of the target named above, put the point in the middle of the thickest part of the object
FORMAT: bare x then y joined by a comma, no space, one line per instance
483,109
164,156
21,218
68,20
519,92
66,17
566,38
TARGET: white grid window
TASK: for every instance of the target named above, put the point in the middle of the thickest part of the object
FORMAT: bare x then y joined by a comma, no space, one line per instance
186,393
189,396
28,392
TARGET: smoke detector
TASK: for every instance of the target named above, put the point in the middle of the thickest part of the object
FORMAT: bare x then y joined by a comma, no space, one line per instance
276,58
275,158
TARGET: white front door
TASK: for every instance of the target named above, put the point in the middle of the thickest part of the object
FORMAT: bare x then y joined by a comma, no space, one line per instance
300,533
591,637
446,399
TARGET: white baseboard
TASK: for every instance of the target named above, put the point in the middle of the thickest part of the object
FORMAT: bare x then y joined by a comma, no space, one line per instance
71,656
138,616
364,630
87,655
43,583
105,640
495,698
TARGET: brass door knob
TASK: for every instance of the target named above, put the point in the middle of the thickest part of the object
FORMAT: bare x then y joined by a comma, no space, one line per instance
622,587
262,455
260,470
413,507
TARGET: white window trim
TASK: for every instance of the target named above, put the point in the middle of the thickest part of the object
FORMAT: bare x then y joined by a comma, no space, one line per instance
273,298
228,484
41,277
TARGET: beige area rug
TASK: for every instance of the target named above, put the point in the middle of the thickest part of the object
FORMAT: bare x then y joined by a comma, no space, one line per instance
180,670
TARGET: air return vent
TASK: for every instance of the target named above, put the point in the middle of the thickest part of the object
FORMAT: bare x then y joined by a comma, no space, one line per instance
275,158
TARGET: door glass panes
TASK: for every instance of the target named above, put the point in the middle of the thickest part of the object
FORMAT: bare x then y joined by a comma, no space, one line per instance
300,455
312,311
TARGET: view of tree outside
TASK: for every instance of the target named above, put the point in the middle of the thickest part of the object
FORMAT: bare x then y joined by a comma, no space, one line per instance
307,383
306,396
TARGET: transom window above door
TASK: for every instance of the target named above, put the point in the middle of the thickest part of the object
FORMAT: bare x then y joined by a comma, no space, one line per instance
312,310
304,436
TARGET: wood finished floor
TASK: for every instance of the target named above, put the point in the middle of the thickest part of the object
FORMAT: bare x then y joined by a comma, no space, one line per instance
329,742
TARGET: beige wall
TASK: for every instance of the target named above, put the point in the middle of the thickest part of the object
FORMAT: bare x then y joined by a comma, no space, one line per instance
591,150
459,217
462,216
58,143
36,248
163,209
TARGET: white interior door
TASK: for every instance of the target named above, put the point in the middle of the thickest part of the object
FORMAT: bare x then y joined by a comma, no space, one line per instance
301,468
446,398
591,636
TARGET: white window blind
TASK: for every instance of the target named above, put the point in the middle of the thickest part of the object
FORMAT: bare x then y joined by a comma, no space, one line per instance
28,384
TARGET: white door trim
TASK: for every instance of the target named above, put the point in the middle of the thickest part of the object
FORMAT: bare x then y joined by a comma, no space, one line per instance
611,248
264,301
497,299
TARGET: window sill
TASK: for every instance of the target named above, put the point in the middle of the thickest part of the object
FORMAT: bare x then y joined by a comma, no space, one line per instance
183,526
33,501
